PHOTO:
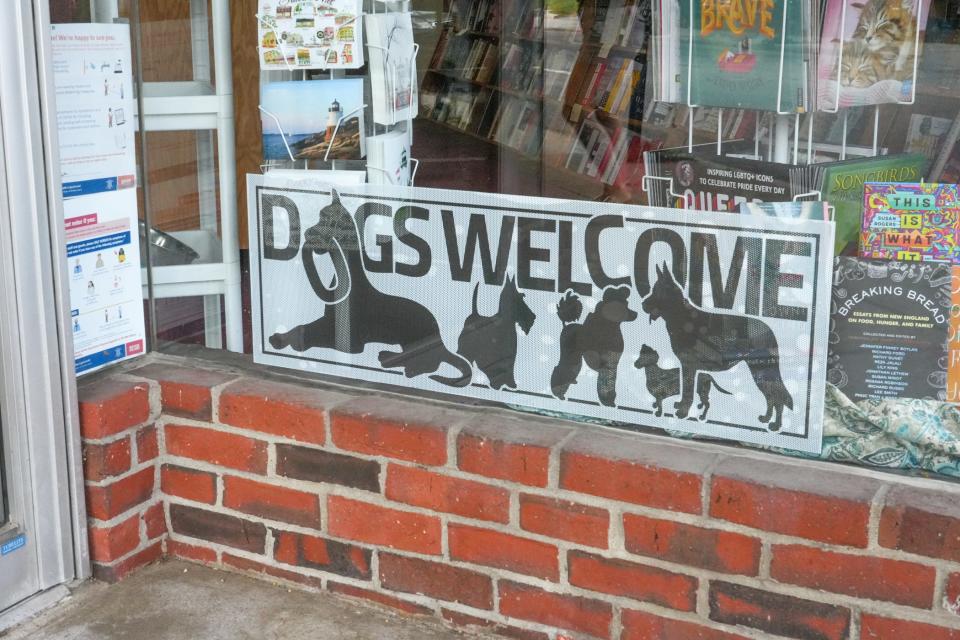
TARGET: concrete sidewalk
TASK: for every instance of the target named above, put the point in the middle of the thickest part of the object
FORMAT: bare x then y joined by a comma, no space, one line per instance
178,601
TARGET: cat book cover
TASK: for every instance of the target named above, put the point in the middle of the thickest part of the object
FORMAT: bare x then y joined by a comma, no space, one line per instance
736,50
889,329
874,45
842,186
910,222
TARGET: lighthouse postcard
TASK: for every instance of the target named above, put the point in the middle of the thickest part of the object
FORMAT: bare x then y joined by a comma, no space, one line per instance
313,120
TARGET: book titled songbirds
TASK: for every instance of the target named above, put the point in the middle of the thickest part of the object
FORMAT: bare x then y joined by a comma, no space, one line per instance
911,221
750,55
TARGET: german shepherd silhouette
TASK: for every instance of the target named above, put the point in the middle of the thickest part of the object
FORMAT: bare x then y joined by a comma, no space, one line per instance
490,342
710,341
357,314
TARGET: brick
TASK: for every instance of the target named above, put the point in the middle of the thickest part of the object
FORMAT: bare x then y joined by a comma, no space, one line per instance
921,521
117,572
826,506
951,594
874,627
439,492
217,447
314,465
185,391
776,613
218,528
313,552
411,431
632,580
896,581
279,409
504,551
271,501
109,501
102,461
147,446
373,524
631,470
468,622
436,580
565,520
110,543
582,615
109,406
262,569
713,549
640,625
189,484
405,606
509,448
155,521
184,551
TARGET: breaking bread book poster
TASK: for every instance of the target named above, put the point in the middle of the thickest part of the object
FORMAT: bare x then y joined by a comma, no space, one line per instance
698,322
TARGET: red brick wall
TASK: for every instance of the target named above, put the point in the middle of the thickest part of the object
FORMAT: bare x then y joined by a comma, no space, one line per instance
530,527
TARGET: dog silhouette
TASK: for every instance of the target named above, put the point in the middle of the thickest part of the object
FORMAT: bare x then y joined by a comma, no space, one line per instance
357,314
598,342
710,341
665,383
490,342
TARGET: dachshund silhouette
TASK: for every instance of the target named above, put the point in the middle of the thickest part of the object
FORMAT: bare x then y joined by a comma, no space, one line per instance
598,342
665,383
357,314
710,341
490,342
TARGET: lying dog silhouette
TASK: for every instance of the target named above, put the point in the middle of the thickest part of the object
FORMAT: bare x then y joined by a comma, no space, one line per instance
710,341
665,383
490,342
357,314
598,342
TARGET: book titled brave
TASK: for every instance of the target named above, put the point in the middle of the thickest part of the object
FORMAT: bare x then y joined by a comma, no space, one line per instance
739,51
911,221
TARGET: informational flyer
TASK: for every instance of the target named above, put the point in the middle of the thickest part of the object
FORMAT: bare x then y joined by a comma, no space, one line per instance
95,107
95,120
103,259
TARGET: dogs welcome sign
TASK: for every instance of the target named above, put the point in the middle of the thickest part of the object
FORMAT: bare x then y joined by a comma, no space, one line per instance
707,323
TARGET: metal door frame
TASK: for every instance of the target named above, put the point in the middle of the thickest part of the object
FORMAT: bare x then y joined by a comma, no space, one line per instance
38,399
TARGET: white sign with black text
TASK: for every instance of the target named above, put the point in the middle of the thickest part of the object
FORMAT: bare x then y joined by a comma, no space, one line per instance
707,323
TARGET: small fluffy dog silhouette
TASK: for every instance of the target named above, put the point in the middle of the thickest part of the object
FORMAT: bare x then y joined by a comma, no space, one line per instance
598,342
665,383
490,342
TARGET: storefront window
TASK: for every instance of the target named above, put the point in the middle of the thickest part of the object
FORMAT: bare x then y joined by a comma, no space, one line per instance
643,205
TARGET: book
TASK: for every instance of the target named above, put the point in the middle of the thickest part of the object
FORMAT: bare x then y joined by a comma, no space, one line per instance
310,35
388,158
392,67
313,120
910,221
889,329
733,56
873,47
926,134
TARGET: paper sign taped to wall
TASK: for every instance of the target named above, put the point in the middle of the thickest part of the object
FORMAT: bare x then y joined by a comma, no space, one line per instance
707,323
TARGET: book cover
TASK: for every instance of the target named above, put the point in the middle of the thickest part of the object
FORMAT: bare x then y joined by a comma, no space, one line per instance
842,186
889,329
873,44
392,67
910,221
926,134
323,34
734,56
303,120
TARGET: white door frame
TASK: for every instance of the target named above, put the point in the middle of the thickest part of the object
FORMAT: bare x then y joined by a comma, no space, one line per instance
38,399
